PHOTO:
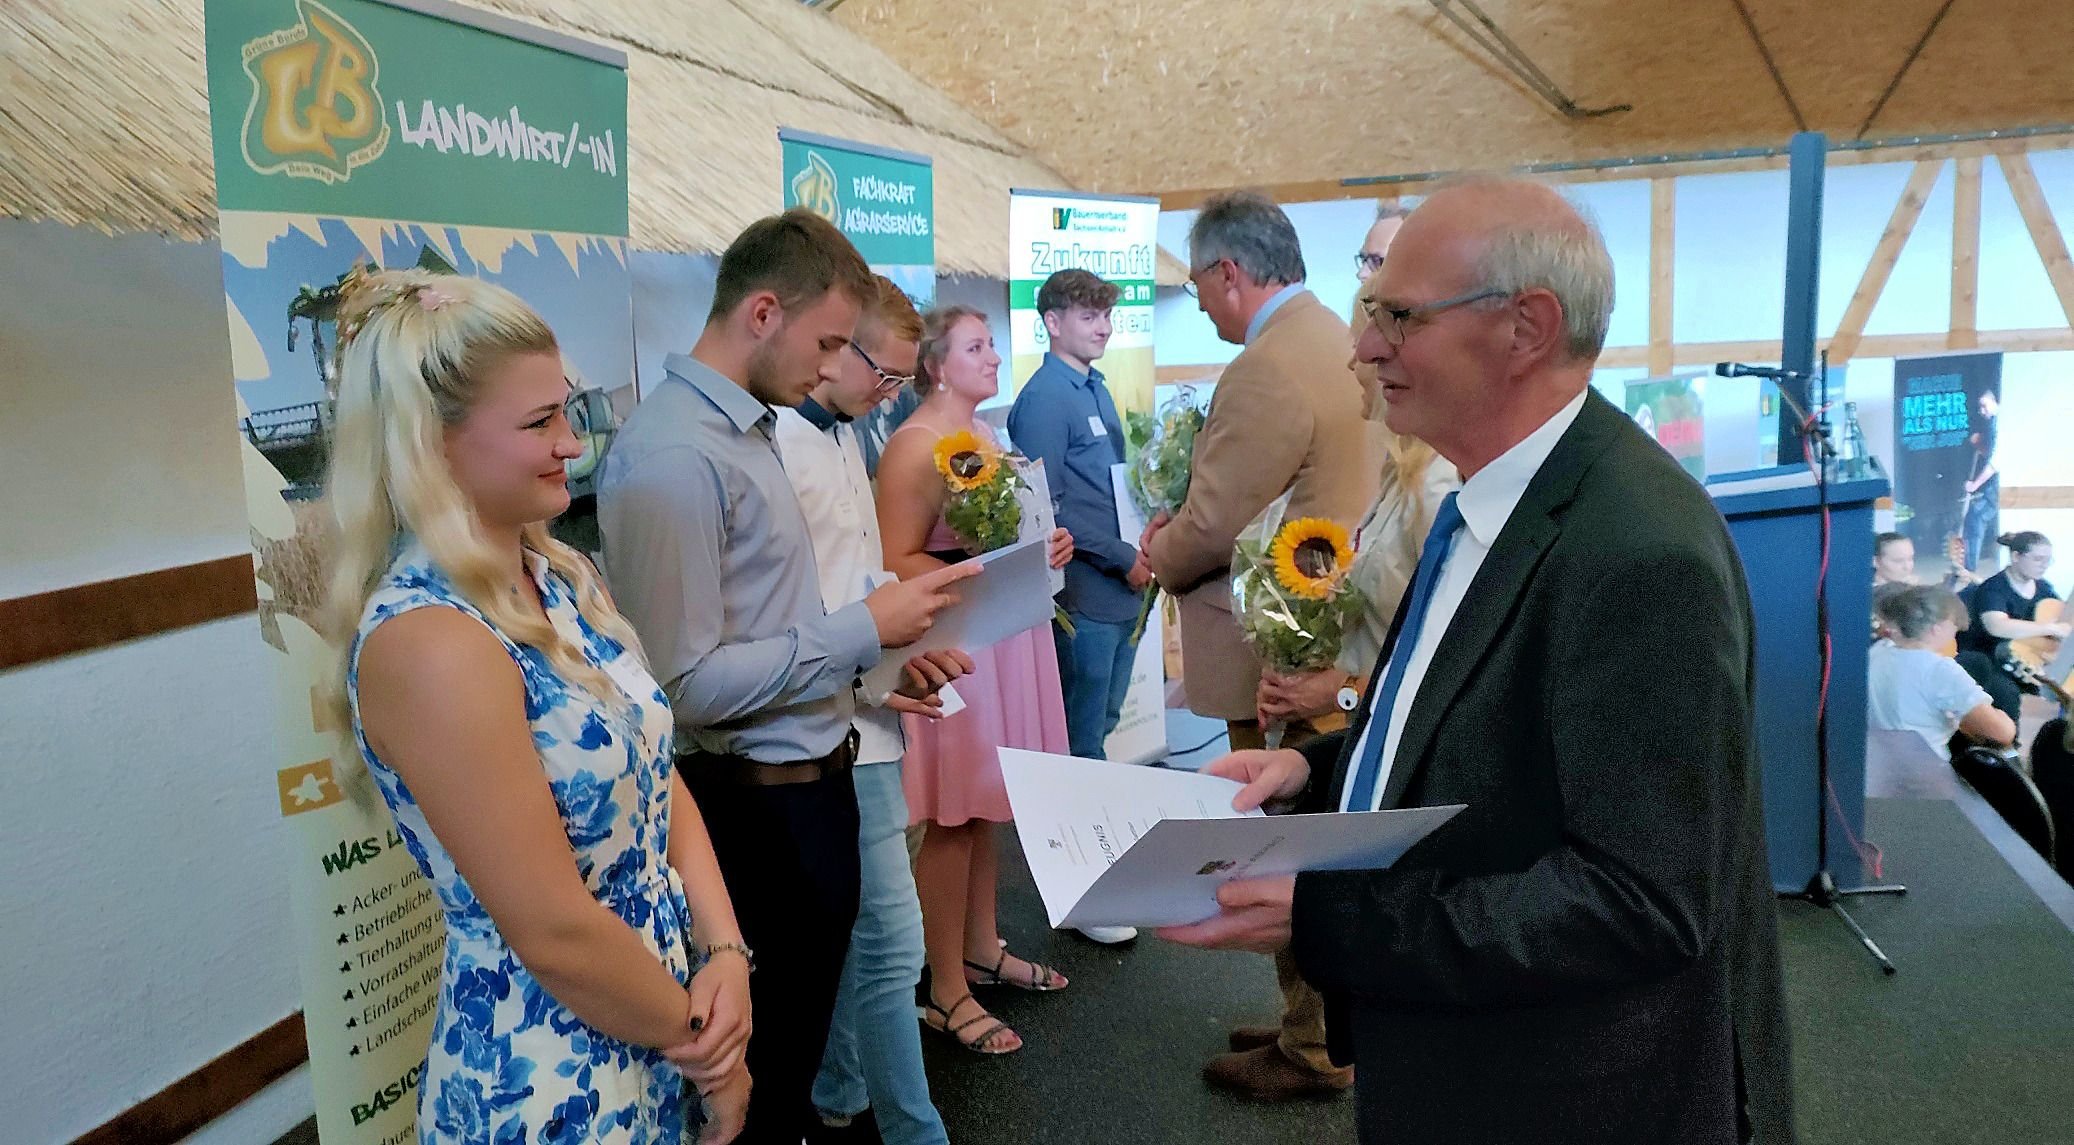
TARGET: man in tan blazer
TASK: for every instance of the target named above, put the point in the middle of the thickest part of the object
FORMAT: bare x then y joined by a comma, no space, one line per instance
1286,414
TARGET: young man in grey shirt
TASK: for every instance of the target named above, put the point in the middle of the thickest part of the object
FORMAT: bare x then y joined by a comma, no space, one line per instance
708,554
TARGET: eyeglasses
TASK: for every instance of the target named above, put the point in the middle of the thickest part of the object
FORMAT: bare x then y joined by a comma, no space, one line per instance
1389,320
1367,263
888,382
1190,288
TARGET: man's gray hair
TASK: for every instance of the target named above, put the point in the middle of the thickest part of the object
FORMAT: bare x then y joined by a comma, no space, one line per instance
1568,261
1386,209
1250,230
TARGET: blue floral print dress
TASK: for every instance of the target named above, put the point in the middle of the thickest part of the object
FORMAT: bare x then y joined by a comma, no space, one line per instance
508,1063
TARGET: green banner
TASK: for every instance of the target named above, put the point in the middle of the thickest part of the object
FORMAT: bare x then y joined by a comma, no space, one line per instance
1051,231
885,201
1673,412
1022,293
361,109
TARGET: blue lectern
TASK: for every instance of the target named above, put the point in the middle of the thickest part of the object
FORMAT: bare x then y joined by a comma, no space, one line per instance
1775,519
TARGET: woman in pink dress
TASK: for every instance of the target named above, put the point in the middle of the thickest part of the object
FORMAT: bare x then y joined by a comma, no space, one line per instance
952,772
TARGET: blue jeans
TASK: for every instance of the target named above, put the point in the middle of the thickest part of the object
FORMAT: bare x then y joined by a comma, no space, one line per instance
874,1055
1095,675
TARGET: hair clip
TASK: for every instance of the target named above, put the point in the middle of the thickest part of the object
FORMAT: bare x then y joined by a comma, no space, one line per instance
433,298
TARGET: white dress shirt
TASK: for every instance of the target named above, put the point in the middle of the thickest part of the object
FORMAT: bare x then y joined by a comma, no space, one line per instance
1486,501
826,468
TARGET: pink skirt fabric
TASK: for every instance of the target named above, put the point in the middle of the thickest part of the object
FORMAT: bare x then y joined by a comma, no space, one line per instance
951,772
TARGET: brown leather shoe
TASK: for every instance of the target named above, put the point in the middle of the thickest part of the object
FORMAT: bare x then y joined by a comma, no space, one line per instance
1253,1037
1267,1074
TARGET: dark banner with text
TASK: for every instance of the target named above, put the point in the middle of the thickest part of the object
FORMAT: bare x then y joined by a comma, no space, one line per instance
1947,489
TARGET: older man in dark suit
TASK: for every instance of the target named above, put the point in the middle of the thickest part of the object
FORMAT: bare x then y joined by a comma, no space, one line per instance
1588,953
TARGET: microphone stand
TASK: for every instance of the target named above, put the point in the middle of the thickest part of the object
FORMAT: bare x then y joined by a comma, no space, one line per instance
1822,890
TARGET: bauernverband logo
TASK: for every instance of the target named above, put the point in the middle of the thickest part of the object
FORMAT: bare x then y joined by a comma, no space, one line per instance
315,112
814,188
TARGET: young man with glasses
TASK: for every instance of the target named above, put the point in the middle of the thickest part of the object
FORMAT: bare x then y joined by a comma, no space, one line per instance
1286,416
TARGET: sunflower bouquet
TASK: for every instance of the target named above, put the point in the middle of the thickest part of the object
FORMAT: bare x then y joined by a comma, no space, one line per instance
1290,592
981,505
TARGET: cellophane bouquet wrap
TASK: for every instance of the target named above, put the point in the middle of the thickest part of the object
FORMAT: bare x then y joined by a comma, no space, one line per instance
1290,592
980,505
1158,474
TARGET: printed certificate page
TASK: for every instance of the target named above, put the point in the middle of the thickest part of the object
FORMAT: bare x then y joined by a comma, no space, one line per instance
1113,844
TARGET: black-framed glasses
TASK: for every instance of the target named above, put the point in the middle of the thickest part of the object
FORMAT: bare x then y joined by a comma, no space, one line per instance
1367,263
1190,288
888,382
1389,320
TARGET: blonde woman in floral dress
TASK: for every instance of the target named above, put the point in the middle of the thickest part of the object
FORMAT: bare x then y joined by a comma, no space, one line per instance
1013,699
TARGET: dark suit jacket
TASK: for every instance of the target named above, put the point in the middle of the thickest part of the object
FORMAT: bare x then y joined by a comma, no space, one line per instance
1588,953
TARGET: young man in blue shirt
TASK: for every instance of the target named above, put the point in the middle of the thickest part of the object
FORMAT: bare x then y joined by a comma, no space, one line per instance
1065,418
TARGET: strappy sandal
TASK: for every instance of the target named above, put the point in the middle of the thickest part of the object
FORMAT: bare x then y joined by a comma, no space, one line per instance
977,1043
1043,979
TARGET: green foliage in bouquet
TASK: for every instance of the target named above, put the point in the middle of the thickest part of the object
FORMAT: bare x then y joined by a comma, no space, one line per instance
1158,477
981,508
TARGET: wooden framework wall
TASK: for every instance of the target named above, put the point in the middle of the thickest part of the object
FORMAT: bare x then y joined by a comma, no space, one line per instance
1662,355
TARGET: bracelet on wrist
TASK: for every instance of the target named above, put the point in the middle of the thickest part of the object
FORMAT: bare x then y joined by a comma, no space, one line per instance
748,955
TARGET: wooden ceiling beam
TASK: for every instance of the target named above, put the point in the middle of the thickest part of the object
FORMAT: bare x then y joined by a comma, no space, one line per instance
1873,282
2045,234
1965,334
1644,167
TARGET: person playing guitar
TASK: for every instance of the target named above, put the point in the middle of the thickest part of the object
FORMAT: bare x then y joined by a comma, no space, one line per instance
2016,613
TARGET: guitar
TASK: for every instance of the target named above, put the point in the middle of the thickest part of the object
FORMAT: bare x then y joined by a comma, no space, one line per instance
2052,760
2038,651
2026,673
1955,555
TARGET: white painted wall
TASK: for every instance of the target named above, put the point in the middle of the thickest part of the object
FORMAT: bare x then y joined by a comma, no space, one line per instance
117,445
145,921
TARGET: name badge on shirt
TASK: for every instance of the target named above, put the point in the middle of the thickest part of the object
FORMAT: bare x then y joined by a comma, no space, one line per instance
1094,422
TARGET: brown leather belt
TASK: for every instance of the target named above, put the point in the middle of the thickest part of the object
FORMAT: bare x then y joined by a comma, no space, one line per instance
726,767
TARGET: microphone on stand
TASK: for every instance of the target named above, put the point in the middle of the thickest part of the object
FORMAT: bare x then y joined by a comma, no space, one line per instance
1781,376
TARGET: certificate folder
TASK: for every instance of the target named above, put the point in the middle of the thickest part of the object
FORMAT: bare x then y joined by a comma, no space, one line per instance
1113,844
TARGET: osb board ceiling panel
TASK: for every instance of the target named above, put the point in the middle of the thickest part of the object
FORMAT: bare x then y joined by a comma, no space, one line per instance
1183,94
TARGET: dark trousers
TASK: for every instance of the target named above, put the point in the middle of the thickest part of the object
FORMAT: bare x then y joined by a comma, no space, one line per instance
2000,686
789,856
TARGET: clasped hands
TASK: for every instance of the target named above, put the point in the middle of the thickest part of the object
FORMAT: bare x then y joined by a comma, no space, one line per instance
1254,913
714,1060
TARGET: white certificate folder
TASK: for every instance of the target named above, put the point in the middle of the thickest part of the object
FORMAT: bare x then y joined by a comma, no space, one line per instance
1114,844
1011,594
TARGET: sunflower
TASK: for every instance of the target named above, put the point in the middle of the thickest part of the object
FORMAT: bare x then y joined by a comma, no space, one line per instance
965,462
1310,555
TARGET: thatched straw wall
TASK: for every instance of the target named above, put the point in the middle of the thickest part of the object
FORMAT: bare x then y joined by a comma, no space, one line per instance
1136,96
105,118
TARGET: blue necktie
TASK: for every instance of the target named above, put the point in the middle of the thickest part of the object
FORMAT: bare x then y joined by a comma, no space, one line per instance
1438,539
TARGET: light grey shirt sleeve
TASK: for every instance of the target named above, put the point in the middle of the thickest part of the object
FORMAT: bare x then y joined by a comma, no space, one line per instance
666,528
